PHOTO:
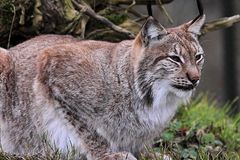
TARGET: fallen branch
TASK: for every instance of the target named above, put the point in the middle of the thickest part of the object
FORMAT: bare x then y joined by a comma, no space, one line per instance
11,28
164,11
128,2
84,8
131,5
220,24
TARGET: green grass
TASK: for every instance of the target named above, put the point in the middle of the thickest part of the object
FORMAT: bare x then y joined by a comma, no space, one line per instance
200,130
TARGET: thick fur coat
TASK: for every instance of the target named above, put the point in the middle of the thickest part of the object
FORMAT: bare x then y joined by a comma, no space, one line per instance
107,100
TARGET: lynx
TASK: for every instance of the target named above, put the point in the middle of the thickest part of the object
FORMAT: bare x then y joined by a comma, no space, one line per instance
107,100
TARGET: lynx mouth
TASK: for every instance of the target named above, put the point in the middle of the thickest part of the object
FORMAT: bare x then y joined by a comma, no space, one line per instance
184,88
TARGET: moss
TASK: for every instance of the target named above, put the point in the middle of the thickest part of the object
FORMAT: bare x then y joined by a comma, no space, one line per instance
69,11
6,12
116,17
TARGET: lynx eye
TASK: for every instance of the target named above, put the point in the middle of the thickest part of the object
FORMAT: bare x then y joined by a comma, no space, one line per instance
175,58
198,57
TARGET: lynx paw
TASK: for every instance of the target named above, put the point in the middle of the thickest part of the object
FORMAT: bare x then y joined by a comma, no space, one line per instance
120,156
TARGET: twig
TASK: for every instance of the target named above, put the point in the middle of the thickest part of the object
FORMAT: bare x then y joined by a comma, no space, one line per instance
128,2
37,16
84,22
84,8
132,11
11,28
115,37
140,19
220,24
149,8
22,16
163,9
130,6
137,14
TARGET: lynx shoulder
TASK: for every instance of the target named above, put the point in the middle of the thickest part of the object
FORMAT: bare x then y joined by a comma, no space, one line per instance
107,100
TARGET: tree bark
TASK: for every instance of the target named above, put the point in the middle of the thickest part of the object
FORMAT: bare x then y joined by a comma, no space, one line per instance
230,59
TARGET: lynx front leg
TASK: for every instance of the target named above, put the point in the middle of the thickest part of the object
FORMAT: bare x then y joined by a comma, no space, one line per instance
6,84
99,149
86,139
65,127
119,156
6,99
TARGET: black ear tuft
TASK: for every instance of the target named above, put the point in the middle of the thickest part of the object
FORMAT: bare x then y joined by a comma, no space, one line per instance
200,10
149,8
200,7
152,30
196,24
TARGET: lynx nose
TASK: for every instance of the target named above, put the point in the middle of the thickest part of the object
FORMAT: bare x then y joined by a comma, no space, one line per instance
193,75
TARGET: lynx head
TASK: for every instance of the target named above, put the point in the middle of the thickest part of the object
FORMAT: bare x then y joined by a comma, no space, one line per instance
168,59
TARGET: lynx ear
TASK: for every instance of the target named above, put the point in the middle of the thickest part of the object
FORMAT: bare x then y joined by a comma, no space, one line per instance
152,31
195,25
